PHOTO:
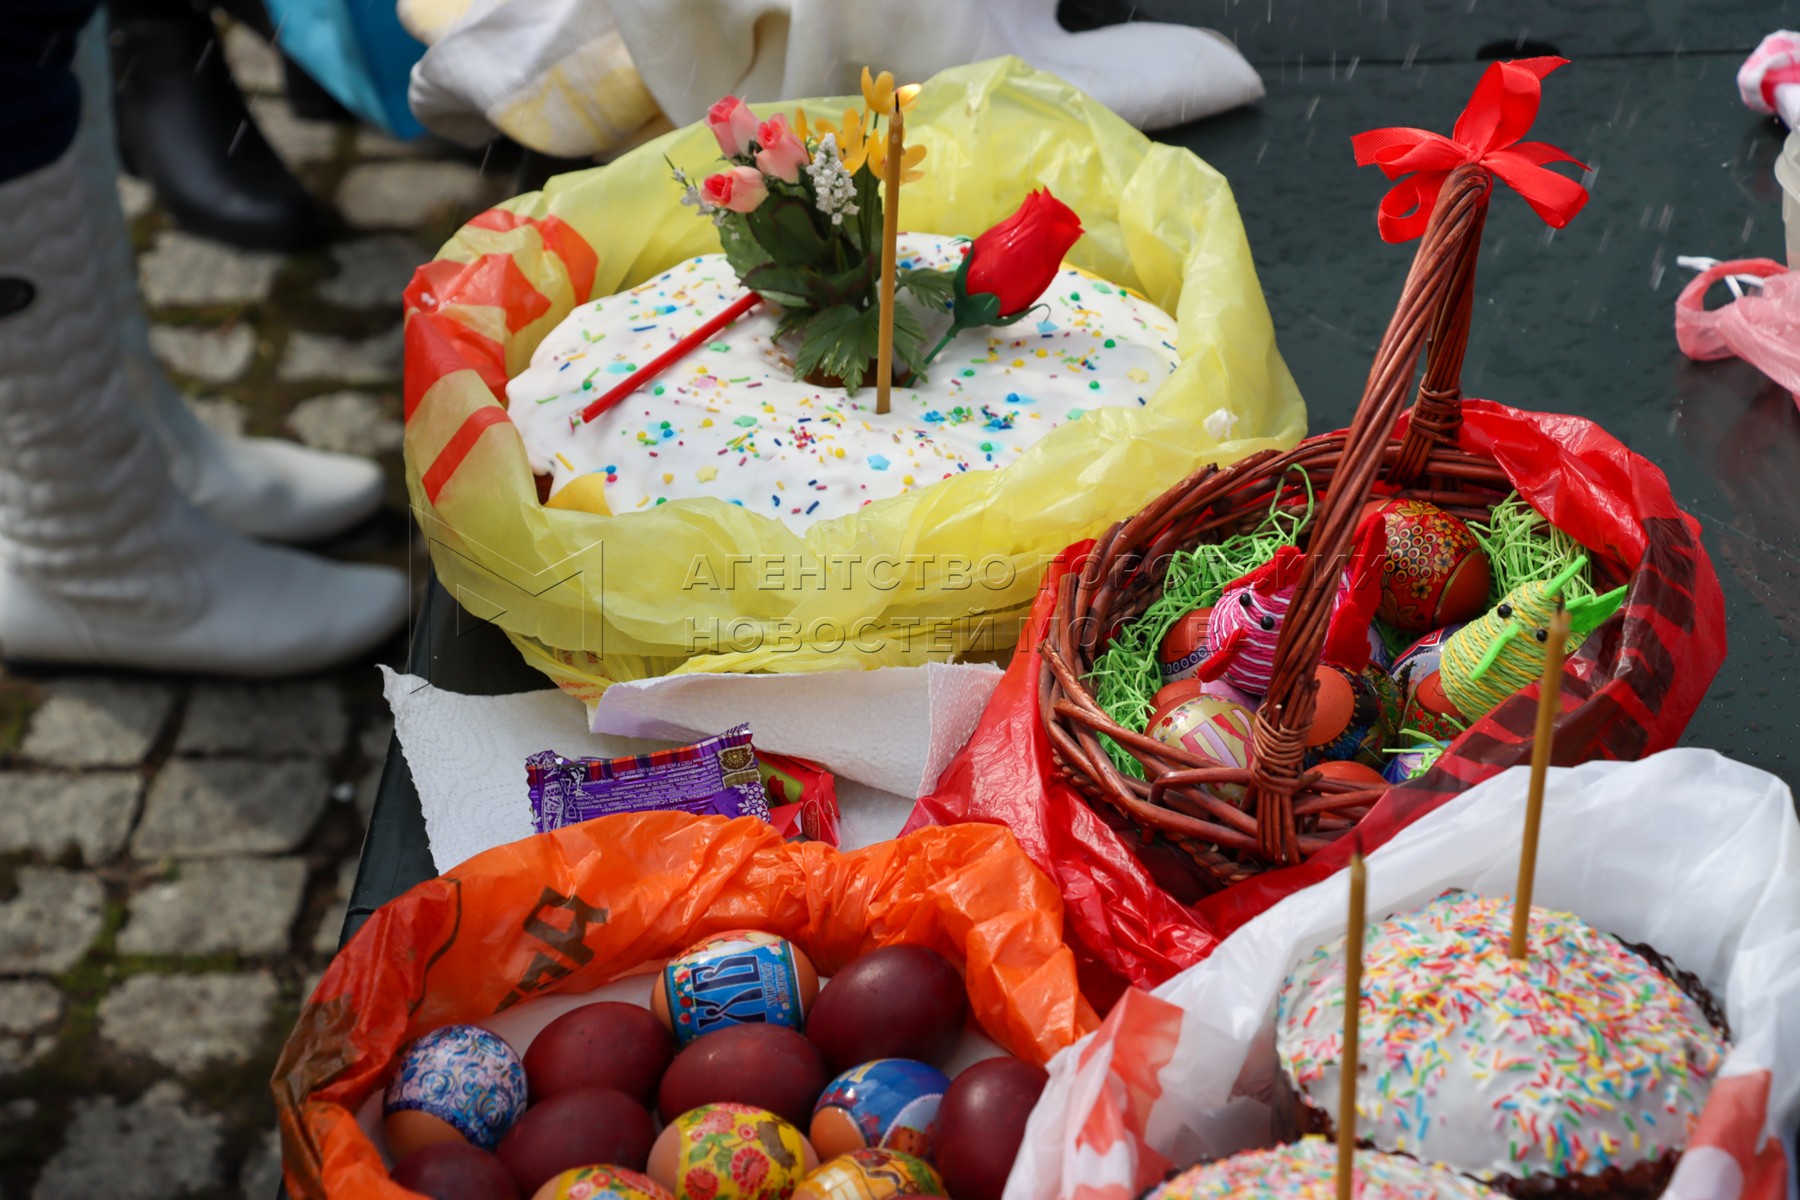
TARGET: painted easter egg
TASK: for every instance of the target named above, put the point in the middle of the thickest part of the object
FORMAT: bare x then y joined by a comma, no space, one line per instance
891,1103
1432,713
871,1174
1171,694
730,1152
456,1082
1211,727
1355,714
1184,646
1410,764
1434,573
601,1183
1421,658
741,977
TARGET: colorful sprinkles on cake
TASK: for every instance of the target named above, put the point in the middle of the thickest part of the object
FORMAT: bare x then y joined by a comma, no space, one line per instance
730,422
1580,1057
1307,1170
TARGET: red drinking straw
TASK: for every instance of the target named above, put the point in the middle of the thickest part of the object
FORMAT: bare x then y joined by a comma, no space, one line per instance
671,356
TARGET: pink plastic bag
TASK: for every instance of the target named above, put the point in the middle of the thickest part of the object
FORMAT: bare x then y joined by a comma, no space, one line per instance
1762,328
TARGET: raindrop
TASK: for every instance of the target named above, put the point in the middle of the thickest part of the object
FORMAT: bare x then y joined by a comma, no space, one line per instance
1668,214
1749,224
1314,107
1351,69
1412,52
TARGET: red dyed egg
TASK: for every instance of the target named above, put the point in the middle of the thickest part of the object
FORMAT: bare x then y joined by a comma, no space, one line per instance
1432,713
605,1045
1435,572
981,1124
1184,646
455,1171
1334,706
765,1066
893,1002
576,1129
1352,772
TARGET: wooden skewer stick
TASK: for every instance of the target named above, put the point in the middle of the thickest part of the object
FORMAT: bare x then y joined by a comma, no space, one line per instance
1549,705
890,241
1353,964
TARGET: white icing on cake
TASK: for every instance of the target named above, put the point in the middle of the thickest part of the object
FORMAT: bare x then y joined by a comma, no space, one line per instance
1579,1057
730,421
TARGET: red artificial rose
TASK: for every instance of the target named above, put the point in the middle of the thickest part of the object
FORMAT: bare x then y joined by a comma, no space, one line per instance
1016,260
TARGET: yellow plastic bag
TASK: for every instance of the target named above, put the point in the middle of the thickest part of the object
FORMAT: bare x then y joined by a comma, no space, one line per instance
704,585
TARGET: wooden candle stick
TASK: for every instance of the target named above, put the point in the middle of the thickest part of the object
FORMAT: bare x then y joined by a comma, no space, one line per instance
1353,963
1549,704
890,240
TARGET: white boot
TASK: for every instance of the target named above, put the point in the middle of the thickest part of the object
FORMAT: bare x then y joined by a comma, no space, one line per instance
101,559
266,487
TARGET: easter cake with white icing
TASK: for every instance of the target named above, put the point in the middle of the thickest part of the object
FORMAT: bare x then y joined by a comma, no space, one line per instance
1580,1069
731,422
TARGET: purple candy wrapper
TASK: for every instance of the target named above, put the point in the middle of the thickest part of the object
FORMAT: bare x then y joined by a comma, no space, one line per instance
716,775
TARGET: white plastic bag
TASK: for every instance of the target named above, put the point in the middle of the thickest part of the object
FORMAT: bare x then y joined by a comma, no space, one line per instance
1687,851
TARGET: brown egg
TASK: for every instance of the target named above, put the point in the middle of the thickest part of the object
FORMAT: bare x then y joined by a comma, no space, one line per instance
455,1171
744,976
782,1157
981,1125
767,1066
409,1131
604,1045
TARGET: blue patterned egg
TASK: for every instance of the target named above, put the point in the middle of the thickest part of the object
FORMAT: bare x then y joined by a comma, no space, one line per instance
456,1082
1421,658
891,1103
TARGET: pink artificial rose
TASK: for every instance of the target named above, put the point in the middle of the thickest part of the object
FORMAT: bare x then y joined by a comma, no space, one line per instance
733,124
740,189
783,153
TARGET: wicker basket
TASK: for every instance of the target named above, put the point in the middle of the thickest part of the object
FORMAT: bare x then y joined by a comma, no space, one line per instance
1288,813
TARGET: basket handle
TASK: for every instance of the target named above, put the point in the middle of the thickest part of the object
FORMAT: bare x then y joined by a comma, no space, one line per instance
1435,308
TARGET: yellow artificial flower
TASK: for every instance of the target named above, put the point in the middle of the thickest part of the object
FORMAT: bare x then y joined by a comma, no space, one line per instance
910,158
800,129
879,93
853,141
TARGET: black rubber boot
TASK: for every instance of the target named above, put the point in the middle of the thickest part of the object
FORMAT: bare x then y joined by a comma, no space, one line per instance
183,127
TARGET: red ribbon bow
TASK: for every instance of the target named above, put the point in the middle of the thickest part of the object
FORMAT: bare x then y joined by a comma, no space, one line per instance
1499,112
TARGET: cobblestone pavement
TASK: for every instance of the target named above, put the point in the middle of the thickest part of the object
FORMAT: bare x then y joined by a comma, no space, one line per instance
175,854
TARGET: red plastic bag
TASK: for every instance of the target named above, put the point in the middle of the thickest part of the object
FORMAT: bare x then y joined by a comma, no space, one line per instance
568,911
1624,696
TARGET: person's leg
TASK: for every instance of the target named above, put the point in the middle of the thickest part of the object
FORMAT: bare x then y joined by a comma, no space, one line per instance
266,487
184,127
101,559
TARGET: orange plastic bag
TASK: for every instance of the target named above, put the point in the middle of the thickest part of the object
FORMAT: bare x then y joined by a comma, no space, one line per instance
572,910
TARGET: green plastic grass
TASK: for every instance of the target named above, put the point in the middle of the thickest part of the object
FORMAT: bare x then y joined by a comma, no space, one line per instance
1126,675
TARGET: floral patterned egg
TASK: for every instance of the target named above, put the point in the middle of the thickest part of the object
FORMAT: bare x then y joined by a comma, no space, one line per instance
1435,572
601,1183
891,1102
458,1081
871,1174
730,1152
745,976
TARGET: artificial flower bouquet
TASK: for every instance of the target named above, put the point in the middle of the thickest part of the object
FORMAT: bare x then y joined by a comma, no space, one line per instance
799,212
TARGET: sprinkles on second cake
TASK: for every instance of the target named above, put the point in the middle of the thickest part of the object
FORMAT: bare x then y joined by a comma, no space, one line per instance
1578,1058
1307,1170
731,422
